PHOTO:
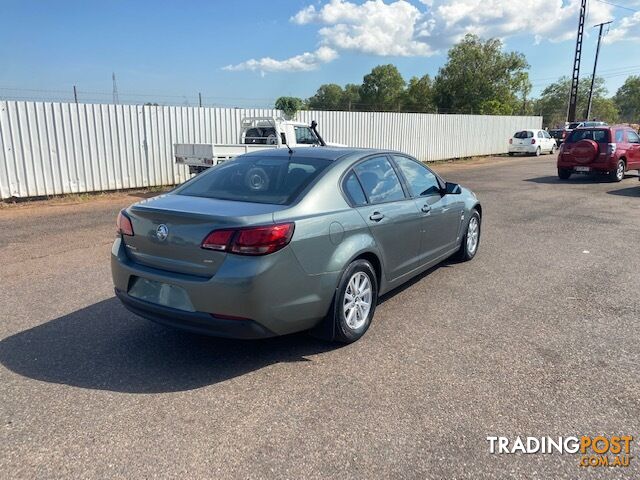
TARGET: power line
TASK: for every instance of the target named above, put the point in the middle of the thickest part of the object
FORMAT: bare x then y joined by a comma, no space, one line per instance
618,6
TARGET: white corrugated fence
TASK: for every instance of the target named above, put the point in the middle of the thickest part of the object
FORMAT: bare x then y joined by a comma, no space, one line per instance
57,148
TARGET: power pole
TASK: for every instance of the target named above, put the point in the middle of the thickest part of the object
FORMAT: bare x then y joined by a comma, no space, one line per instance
75,94
587,115
200,98
115,89
575,77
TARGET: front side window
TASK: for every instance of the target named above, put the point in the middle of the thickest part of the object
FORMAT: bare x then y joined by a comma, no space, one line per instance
421,180
379,180
633,137
256,179
304,136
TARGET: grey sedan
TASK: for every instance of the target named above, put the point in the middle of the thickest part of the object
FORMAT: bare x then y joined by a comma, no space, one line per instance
275,242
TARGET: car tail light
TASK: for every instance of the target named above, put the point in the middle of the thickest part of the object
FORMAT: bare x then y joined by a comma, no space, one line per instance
250,241
611,148
218,240
123,224
533,141
510,141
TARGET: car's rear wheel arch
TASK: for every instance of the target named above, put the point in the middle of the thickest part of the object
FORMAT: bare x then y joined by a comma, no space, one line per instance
373,259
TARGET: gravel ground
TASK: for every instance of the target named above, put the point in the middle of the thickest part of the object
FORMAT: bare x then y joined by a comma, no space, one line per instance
538,335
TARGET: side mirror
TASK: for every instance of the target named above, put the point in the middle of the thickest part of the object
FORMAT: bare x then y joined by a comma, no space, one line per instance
452,189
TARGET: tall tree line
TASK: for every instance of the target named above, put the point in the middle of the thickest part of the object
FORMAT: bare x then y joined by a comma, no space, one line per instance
479,77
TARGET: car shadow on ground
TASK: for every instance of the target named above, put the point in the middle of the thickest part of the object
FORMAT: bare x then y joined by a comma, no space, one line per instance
105,347
553,179
627,192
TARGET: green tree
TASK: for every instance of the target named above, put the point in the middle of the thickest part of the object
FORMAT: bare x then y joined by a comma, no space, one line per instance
627,99
382,89
289,105
478,74
495,107
351,97
554,101
328,97
418,97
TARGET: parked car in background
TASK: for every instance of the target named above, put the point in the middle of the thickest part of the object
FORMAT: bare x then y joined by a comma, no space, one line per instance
559,135
276,242
532,142
607,150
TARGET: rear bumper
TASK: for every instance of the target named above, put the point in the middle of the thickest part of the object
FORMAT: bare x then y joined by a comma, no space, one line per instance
272,292
523,148
603,164
196,322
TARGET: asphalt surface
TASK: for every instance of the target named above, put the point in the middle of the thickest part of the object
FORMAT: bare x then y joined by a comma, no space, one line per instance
538,335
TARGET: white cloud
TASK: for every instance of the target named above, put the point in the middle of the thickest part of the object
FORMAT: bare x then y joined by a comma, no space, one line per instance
401,28
553,20
299,63
373,27
627,29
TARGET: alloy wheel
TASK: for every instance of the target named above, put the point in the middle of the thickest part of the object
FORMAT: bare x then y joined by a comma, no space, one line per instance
357,300
473,233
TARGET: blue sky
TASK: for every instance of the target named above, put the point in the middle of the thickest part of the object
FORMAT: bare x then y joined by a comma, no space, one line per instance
166,51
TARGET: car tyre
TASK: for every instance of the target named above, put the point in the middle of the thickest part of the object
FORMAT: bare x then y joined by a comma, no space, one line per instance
564,174
538,152
471,239
511,154
617,175
553,149
355,301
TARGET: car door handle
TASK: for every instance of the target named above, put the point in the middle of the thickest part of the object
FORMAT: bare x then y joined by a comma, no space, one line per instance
426,208
376,216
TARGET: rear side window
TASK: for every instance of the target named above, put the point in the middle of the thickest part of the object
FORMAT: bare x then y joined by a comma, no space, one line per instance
353,190
540,135
379,180
619,136
597,135
524,134
421,180
257,179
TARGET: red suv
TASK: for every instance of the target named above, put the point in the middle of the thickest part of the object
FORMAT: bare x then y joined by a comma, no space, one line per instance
612,150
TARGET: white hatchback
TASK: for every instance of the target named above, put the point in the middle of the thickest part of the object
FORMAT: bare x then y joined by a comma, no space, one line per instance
532,141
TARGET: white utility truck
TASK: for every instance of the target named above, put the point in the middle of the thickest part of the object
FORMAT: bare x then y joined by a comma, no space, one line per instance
258,133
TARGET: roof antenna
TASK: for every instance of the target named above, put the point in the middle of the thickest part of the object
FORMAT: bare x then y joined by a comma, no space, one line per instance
284,139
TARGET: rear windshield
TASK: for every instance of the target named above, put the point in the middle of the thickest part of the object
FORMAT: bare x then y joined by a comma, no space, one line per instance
574,125
597,135
257,179
524,134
